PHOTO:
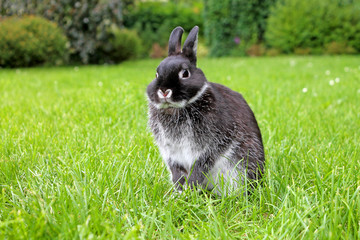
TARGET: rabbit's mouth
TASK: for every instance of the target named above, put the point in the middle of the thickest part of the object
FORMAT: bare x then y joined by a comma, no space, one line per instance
170,104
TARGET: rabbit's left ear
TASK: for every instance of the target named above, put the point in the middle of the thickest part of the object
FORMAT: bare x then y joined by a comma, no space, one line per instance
190,45
175,41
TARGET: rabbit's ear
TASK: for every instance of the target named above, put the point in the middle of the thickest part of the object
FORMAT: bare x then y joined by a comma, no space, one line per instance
175,41
190,45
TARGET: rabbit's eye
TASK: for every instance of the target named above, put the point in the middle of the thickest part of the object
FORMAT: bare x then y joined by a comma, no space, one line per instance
184,74
156,75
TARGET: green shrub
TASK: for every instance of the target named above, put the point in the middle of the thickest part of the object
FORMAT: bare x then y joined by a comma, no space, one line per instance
29,41
157,51
302,51
297,24
256,50
338,48
155,20
272,52
233,26
123,44
85,23
219,27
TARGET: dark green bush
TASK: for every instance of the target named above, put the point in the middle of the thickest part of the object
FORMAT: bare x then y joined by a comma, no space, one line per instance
233,26
155,20
219,27
30,41
123,44
298,24
84,22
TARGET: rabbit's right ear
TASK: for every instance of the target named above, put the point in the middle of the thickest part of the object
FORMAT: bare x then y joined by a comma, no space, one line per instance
175,41
190,45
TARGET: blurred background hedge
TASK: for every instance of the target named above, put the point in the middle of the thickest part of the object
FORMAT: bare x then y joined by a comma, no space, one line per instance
155,20
319,26
111,31
29,41
85,23
232,27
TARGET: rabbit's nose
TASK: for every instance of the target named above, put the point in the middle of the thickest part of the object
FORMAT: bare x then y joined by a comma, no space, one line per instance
166,94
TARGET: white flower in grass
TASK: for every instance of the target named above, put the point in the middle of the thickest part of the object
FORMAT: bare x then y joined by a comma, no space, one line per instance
292,63
228,78
346,69
331,82
304,90
100,84
337,80
358,91
327,72
76,69
310,64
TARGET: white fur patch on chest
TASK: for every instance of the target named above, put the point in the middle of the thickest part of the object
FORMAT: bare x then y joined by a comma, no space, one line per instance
182,150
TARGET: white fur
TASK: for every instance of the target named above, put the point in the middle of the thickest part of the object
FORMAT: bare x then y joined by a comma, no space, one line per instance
224,176
182,150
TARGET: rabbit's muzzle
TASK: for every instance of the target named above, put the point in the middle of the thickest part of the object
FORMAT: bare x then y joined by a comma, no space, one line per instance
164,95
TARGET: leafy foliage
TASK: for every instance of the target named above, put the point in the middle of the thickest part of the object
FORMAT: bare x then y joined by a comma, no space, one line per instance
155,20
218,27
84,22
232,26
338,48
123,44
30,41
296,24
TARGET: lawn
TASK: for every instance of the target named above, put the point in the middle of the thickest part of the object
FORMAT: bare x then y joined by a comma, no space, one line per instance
77,160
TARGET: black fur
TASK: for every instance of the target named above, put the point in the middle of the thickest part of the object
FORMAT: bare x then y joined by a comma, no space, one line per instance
215,122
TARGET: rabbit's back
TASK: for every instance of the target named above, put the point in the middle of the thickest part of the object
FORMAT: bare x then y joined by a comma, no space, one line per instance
232,105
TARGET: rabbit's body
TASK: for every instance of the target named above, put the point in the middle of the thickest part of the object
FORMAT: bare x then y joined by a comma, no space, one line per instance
205,131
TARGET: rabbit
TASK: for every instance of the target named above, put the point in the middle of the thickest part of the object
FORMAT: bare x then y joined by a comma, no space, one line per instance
206,133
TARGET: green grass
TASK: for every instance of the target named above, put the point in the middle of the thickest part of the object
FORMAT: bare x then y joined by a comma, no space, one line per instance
77,160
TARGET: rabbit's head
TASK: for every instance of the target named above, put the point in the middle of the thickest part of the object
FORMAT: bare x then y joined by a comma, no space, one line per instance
178,81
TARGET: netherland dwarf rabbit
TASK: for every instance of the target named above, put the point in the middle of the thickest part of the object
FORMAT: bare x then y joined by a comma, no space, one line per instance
206,133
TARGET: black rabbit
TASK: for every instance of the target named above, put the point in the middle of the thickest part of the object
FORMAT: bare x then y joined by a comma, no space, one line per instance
206,133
